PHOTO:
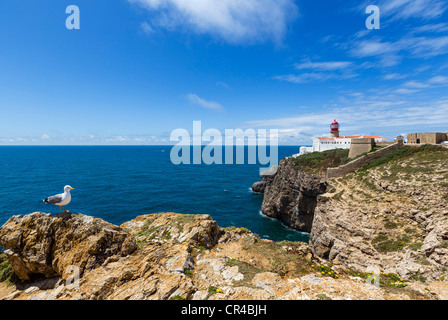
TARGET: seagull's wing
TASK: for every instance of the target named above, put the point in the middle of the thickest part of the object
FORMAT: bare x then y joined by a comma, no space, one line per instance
55,199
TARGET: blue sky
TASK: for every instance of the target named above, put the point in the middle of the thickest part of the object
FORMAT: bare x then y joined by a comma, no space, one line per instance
138,69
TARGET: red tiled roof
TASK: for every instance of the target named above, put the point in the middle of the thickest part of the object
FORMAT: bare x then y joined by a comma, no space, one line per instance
352,137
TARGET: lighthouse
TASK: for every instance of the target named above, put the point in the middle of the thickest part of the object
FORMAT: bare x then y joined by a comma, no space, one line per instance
334,132
336,141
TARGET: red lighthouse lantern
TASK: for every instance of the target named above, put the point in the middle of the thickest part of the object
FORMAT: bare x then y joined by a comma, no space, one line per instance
334,129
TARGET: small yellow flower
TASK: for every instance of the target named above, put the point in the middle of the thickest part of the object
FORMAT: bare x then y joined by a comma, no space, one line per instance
218,290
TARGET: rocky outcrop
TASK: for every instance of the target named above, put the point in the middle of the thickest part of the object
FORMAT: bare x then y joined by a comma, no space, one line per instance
291,196
392,218
266,178
40,244
179,257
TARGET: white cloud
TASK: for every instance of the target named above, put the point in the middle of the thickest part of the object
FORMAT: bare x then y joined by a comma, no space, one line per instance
437,28
394,76
438,80
194,99
326,65
319,71
45,136
416,84
391,53
405,9
393,10
314,76
387,113
235,21
146,28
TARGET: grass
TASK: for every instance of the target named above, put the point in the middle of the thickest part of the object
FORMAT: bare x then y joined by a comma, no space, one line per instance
430,153
247,270
212,290
317,162
325,271
389,224
7,275
383,244
388,280
289,262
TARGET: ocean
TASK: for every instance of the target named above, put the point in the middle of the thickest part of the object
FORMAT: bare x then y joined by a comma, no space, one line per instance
118,183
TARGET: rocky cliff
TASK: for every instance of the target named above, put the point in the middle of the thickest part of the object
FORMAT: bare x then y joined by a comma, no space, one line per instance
378,233
391,216
291,195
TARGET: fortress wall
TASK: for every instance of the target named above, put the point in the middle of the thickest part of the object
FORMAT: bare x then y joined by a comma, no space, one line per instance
384,144
360,146
427,138
359,163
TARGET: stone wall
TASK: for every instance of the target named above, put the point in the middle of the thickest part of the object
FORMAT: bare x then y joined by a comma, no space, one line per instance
358,163
427,138
360,146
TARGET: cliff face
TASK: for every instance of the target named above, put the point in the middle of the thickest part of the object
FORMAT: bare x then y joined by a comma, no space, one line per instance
40,244
291,196
176,257
392,217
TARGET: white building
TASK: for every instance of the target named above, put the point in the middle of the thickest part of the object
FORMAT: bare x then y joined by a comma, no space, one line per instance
335,141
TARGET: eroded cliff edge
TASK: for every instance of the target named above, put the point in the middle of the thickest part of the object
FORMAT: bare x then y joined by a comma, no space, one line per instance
291,196
386,223
390,216
172,256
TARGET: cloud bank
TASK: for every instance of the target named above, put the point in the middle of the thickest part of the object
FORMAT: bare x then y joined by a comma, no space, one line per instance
234,21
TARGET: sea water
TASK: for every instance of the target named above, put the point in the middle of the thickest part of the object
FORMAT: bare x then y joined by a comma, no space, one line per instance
118,183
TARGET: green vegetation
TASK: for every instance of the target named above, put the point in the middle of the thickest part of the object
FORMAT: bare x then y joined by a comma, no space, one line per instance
177,298
325,271
323,296
246,269
212,290
7,275
430,152
317,162
338,196
383,280
383,244
389,224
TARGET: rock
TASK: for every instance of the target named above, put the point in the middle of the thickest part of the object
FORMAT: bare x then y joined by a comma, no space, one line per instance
259,186
266,178
171,243
40,244
291,196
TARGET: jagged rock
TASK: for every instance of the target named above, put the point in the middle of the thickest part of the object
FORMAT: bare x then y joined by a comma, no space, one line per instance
233,260
266,178
259,186
40,244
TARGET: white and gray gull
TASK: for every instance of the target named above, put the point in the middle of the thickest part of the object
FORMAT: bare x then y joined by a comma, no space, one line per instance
62,199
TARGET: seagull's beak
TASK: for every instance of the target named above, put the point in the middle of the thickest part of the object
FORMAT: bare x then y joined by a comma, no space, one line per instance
72,188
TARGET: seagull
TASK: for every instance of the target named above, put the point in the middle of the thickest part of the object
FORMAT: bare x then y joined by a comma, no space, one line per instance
62,199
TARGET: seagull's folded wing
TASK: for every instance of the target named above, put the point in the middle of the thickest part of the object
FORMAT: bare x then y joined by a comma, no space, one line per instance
55,199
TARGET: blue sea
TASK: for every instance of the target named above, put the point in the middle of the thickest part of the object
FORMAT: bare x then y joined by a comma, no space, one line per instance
118,183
